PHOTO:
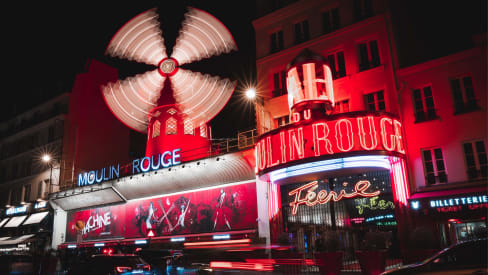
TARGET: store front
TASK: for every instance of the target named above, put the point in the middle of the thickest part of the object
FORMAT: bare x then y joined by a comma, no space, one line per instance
454,215
26,228
199,201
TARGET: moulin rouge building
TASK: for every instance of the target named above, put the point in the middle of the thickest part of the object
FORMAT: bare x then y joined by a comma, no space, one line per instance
361,144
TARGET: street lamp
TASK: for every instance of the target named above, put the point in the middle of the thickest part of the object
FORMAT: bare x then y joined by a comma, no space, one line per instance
250,93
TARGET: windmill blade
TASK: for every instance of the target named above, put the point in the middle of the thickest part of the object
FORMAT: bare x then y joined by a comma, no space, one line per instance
201,36
200,96
139,40
131,99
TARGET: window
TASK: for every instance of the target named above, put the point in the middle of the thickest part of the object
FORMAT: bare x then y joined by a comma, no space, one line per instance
341,106
276,42
40,189
188,127
434,168
369,56
156,129
171,126
282,121
476,161
362,9
330,21
463,94
337,64
203,130
279,82
27,192
423,102
302,33
375,101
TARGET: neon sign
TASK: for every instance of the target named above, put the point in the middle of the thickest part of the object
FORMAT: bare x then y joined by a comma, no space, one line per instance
373,204
312,198
142,165
327,137
16,210
309,83
96,222
470,200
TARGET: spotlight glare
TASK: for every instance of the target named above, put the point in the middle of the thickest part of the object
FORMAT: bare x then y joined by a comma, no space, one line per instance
251,93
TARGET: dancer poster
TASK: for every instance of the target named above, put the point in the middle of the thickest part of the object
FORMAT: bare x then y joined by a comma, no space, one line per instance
213,210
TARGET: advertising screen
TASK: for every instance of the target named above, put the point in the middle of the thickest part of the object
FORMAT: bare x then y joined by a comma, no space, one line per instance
219,209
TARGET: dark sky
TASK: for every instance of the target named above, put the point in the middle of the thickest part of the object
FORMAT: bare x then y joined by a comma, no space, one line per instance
45,43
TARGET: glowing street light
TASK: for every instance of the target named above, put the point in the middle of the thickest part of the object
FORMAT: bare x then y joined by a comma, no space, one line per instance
250,93
46,158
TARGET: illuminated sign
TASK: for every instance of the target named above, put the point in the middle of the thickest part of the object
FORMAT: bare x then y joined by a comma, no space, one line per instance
309,83
380,217
328,137
16,210
96,222
311,198
470,200
145,164
452,204
40,204
374,203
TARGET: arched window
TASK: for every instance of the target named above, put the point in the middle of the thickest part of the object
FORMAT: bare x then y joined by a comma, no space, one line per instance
203,130
188,127
171,126
156,130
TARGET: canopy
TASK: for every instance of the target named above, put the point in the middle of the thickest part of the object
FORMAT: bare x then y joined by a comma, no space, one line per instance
3,221
36,218
15,221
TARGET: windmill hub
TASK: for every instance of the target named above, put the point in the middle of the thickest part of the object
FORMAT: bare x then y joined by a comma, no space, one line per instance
168,66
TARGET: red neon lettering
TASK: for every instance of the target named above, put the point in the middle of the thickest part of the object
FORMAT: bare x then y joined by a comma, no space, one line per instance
329,84
295,138
295,117
311,198
371,133
294,86
270,153
398,136
307,114
283,147
384,134
323,137
339,135
261,155
309,80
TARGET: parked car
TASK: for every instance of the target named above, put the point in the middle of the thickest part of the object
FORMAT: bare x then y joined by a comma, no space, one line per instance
111,265
468,257
16,264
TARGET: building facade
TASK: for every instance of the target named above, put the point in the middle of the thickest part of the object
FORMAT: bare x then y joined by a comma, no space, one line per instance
443,129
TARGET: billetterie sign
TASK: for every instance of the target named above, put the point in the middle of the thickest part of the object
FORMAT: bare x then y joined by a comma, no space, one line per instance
140,165
315,138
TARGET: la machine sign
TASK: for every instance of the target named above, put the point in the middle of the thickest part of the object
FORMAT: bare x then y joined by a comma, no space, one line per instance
362,131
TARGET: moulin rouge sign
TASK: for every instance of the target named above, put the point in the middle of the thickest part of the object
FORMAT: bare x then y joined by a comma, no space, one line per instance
362,131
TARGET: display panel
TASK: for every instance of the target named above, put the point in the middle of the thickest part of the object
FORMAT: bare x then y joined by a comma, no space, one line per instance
225,208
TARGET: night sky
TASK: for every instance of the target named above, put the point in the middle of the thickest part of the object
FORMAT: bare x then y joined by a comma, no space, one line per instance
45,44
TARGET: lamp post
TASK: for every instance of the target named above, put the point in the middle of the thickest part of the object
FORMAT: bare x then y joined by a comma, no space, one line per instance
48,159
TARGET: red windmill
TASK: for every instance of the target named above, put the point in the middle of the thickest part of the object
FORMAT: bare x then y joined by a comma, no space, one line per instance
171,104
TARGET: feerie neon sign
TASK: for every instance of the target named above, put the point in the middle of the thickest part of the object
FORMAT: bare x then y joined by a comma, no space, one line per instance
328,137
312,198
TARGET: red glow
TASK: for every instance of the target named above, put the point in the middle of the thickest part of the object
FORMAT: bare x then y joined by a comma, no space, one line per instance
122,269
328,137
218,242
150,233
274,200
242,266
312,198
399,179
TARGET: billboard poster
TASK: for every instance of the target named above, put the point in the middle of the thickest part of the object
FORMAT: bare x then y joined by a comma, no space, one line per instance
212,210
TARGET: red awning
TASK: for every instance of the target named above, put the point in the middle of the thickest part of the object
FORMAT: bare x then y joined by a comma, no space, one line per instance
449,192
